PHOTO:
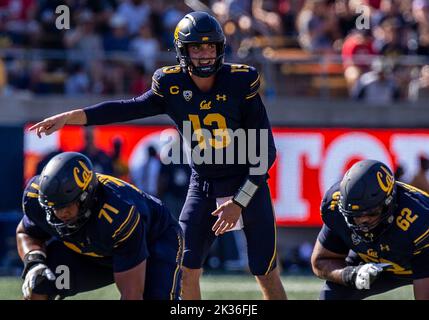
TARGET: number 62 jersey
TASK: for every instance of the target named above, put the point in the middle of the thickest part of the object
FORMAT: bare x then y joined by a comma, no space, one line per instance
405,243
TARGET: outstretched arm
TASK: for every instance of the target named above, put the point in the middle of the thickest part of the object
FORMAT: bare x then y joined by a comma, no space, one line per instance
146,105
56,122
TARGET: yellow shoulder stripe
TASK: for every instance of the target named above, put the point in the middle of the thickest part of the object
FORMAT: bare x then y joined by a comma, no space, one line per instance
422,236
251,95
420,249
255,82
130,232
158,94
121,227
32,195
154,80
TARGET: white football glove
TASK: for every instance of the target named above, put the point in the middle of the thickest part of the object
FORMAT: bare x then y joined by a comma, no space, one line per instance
34,277
362,276
35,271
366,275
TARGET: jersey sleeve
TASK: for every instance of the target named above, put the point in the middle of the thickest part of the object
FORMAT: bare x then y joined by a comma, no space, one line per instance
419,264
252,84
129,241
329,205
420,238
332,241
158,83
329,212
255,117
32,209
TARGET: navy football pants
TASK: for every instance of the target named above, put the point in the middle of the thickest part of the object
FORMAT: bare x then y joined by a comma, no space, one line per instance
259,228
163,278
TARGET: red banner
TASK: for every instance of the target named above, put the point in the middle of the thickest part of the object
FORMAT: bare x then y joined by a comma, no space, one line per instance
308,161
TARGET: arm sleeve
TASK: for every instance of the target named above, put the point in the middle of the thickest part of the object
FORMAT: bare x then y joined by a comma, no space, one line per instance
130,246
255,117
419,265
420,261
147,105
31,210
331,241
33,230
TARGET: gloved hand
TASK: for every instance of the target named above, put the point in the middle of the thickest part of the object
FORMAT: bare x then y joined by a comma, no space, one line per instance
362,276
35,271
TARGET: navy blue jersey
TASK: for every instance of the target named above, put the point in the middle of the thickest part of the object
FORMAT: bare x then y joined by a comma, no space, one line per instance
232,103
404,244
123,225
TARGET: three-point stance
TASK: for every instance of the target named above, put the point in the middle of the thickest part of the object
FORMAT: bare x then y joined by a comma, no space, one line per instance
375,236
101,229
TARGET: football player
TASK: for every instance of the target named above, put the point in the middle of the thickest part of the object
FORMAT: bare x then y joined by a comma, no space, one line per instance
204,93
95,230
375,235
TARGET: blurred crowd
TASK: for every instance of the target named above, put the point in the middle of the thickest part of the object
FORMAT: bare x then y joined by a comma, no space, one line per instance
113,46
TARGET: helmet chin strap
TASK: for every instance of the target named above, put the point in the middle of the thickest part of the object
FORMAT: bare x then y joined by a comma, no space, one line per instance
374,233
202,71
205,71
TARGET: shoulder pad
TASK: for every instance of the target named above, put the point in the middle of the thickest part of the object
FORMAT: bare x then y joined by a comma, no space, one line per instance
248,76
162,77
329,205
32,188
30,198
117,213
413,215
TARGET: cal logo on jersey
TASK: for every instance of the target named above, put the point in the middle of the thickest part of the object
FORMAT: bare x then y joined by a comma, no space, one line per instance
204,105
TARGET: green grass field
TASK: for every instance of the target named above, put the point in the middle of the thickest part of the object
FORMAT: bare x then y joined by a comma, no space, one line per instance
240,287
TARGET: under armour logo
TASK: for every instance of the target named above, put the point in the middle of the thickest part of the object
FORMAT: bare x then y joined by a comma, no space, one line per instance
221,97
384,247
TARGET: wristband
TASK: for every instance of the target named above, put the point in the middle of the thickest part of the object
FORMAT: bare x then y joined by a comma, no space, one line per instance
245,194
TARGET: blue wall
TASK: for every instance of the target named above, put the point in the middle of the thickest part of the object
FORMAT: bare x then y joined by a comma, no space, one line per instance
11,167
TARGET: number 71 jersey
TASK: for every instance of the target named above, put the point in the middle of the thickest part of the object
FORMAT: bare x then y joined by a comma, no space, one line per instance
232,103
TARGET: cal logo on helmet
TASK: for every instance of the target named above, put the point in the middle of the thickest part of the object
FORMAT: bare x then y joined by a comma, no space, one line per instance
385,181
83,178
